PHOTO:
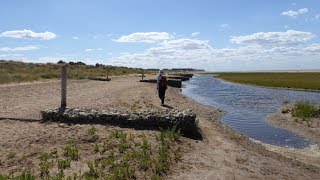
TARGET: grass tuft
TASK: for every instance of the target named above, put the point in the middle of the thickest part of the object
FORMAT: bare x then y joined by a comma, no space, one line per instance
71,151
304,110
122,156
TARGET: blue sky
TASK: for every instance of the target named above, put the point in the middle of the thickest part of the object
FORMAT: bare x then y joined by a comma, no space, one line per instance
229,35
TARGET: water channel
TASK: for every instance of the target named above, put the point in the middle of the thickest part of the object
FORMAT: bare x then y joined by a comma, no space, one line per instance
247,107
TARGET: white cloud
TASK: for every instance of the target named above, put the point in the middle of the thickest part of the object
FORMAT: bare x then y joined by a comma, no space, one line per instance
254,54
171,53
145,37
185,44
225,27
289,37
91,49
314,48
76,38
51,59
28,34
88,50
292,13
22,48
195,34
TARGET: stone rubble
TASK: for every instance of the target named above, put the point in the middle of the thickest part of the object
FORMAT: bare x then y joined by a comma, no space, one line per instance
185,120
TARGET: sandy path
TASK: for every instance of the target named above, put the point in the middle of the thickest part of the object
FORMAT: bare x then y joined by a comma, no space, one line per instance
221,155
27,100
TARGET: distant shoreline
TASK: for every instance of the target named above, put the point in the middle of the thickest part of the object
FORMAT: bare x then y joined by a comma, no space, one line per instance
299,81
272,87
263,71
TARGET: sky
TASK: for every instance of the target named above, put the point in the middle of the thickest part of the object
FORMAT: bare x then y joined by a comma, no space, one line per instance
230,35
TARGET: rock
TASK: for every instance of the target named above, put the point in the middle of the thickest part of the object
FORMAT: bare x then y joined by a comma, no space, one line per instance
182,78
185,120
100,79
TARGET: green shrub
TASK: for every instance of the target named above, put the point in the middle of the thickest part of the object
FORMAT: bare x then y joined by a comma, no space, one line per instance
304,110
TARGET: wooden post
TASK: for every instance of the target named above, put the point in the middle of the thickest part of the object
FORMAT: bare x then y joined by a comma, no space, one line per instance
142,73
107,72
63,86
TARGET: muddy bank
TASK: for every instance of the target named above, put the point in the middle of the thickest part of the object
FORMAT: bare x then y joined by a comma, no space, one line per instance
309,129
222,154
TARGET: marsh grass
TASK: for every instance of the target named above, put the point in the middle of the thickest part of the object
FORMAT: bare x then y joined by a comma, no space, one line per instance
299,80
119,155
303,111
15,72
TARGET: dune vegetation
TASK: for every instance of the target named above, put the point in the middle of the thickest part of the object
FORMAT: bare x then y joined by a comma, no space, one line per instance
120,155
298,80
305,110
15,72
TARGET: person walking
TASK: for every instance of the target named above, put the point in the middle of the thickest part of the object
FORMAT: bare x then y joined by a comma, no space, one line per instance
162,85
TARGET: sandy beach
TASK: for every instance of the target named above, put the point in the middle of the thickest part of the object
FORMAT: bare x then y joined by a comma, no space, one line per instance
222,154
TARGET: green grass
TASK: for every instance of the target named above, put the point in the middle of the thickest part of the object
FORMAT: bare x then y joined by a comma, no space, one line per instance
71,151
119,155
25,175
298,80
15,72
305,110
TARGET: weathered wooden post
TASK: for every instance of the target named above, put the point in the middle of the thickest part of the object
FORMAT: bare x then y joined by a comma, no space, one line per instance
107,72
142,73
64,86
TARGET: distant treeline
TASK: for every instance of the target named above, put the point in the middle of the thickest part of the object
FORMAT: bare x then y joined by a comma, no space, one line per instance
184,69
13,71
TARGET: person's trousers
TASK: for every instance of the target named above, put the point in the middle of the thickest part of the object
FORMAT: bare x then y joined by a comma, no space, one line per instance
162,92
